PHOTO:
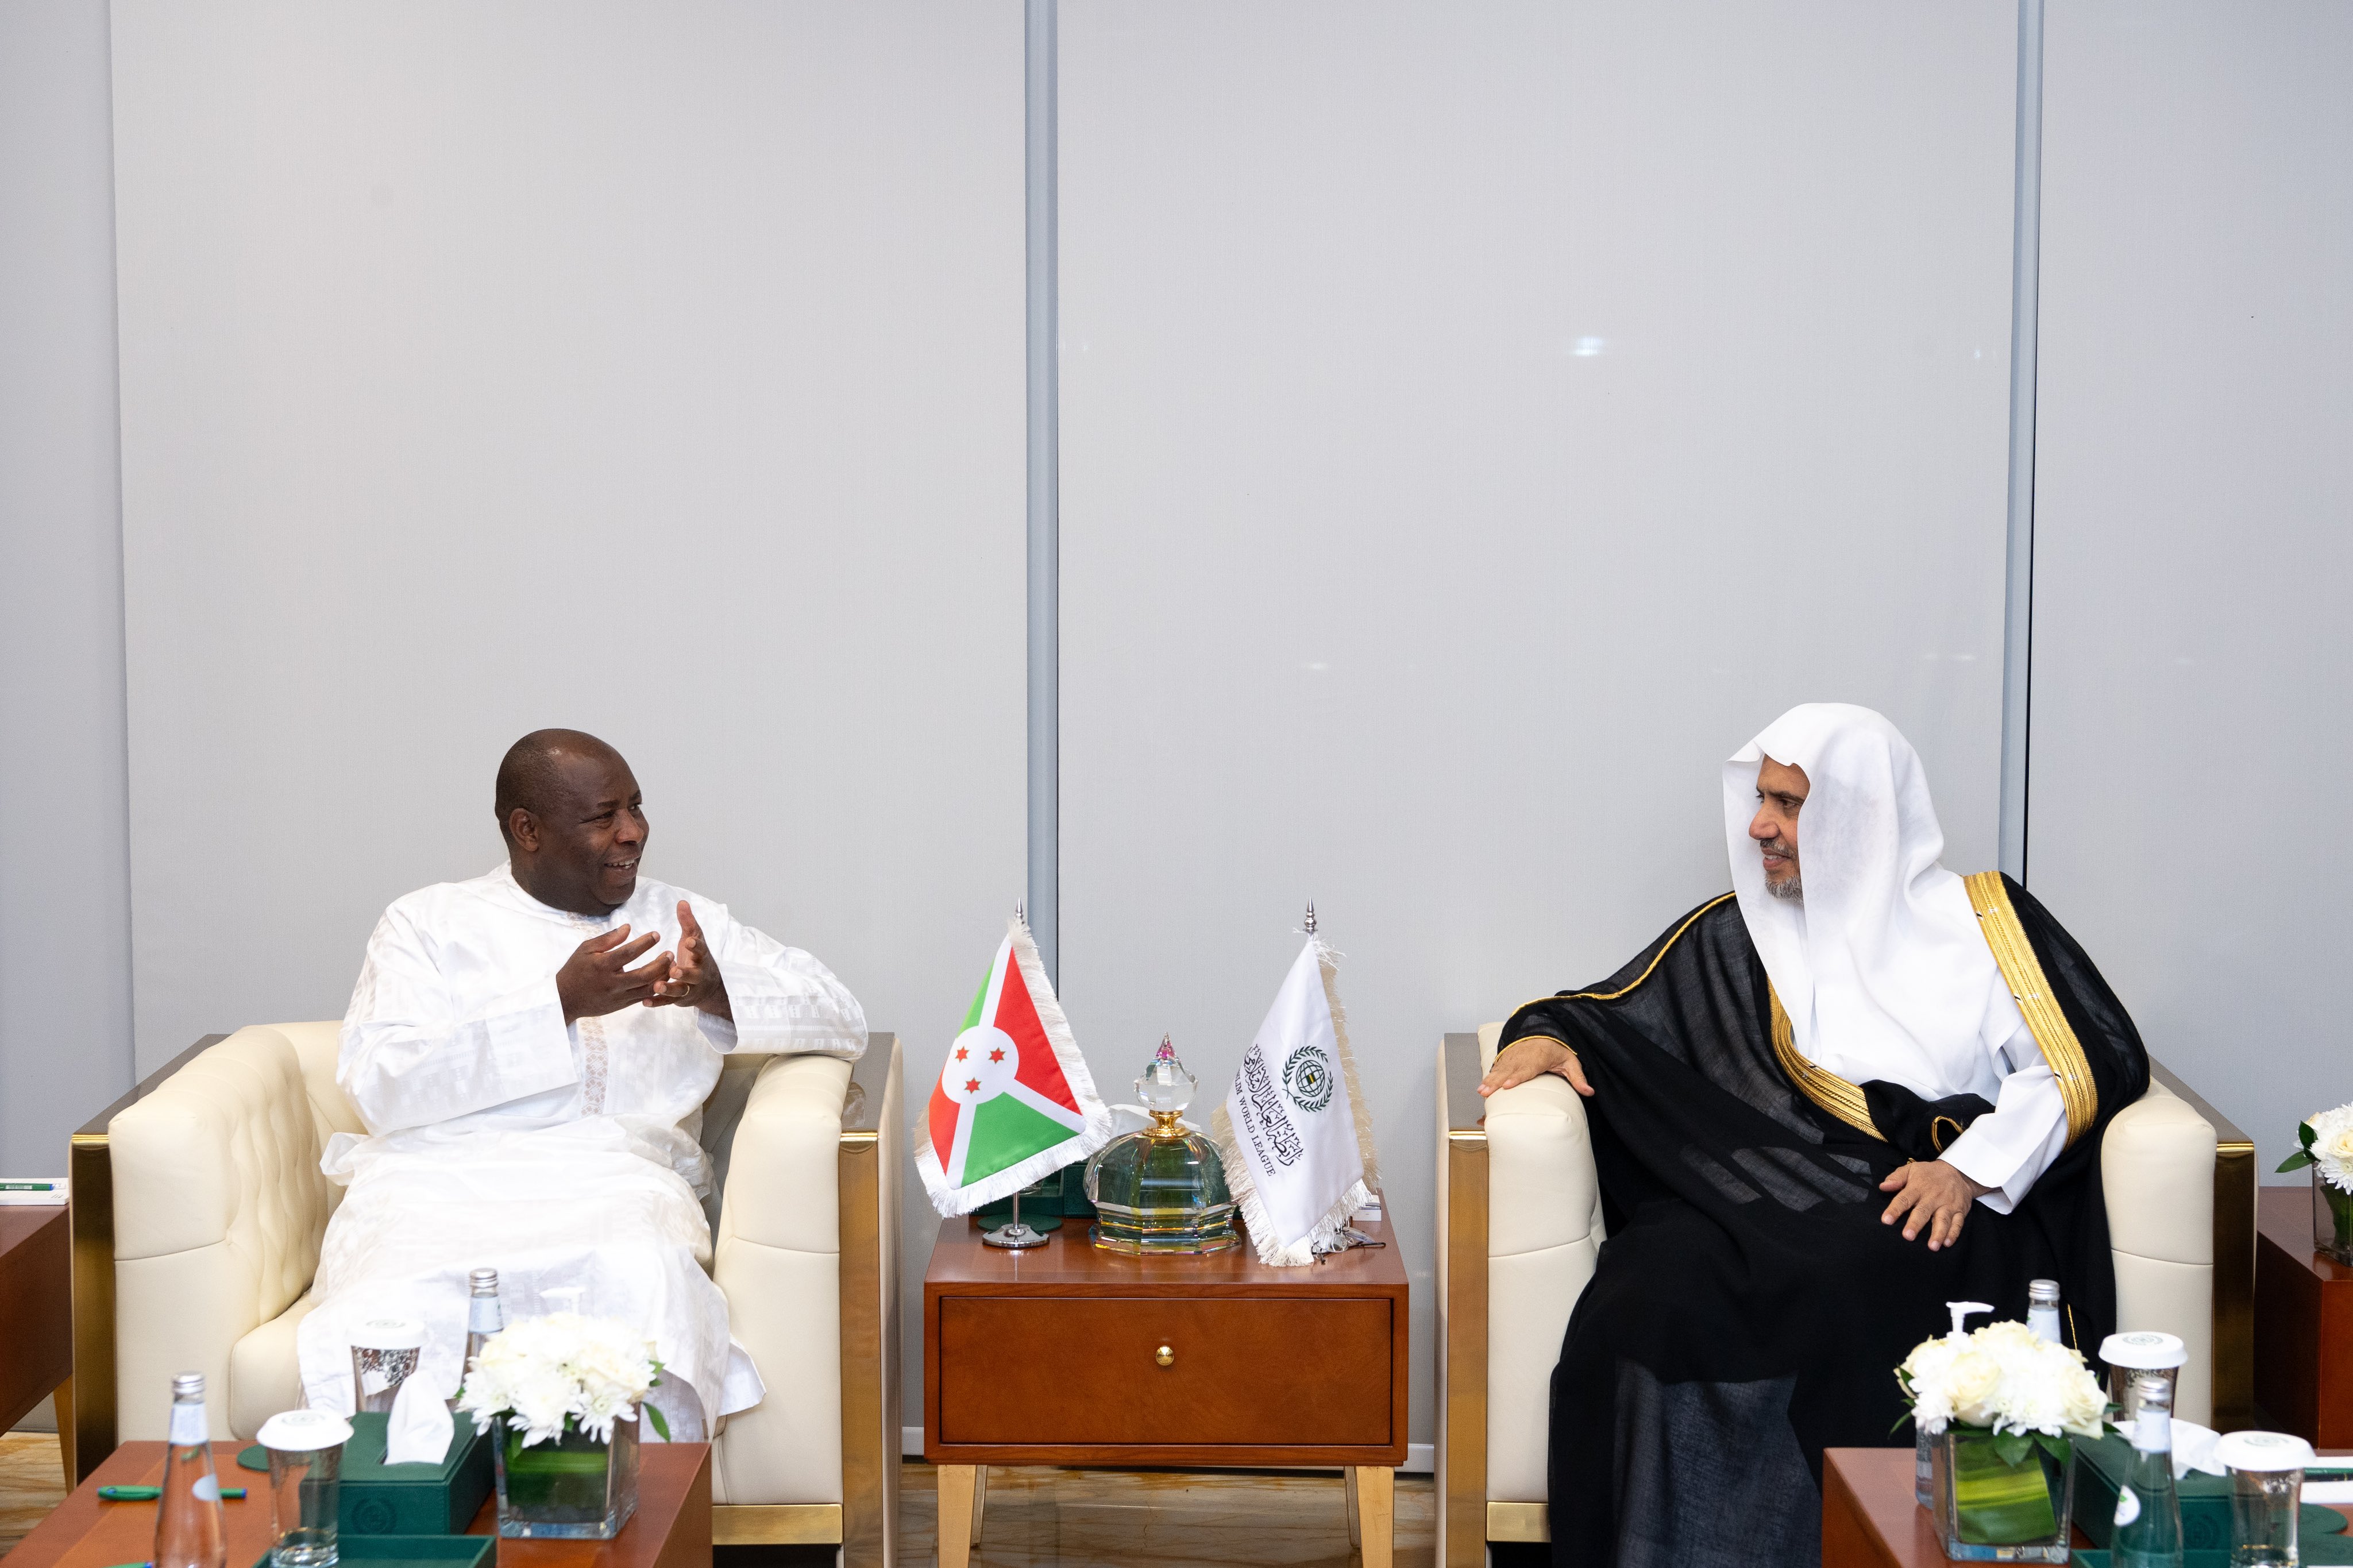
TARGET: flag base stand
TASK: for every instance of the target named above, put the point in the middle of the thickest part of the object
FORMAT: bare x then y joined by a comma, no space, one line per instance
1013,1232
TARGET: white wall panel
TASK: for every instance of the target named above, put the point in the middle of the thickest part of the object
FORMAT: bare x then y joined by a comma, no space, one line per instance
65,874
2191,547
1476,425
654,370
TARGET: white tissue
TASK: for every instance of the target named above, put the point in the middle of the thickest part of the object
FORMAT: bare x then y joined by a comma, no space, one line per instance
420,1427
2193,1449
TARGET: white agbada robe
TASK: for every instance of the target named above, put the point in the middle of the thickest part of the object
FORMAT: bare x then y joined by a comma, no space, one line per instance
562,1155
1882,967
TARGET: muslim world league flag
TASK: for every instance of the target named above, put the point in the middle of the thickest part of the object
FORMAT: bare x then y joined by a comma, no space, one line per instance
1295,1131
1015,1102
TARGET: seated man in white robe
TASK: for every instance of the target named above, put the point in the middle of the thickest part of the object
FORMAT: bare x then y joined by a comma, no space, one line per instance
530,1050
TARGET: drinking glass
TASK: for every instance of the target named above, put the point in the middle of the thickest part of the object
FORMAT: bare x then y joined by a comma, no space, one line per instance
306,1456
2143,1351
385,1352
2266,1475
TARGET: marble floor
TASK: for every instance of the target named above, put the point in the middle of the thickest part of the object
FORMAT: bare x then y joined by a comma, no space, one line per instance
31,1482
1068,1518
1074,1518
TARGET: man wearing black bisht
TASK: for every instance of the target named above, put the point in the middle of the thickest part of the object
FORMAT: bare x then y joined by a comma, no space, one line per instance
1822,1106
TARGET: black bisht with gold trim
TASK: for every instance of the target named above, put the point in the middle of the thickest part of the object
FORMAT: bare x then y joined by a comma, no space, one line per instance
1740,1186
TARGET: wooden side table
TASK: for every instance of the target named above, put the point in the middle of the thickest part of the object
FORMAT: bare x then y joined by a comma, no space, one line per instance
672,1527
36,1317
1067,1354
1870,1519
2303,1324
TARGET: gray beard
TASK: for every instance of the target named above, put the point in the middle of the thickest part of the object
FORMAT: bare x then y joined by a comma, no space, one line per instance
1792,891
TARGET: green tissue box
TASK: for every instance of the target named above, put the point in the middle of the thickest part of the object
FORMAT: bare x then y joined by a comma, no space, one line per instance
411,1550
411,1500
2100,1464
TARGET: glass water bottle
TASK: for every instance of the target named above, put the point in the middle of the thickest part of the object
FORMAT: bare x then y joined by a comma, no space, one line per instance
188,1516
2042,1309
483,1317
2149,1510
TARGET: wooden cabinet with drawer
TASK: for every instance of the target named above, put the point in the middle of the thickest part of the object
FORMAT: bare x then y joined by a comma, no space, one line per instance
1070,1355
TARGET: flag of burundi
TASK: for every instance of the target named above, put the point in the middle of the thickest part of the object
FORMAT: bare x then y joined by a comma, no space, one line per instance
1015,1102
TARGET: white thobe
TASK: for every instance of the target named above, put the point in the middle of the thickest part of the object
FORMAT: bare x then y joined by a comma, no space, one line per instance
2006,1149
564,1155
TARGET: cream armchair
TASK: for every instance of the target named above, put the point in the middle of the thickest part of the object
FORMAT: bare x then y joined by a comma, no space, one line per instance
1519,1227
199,1208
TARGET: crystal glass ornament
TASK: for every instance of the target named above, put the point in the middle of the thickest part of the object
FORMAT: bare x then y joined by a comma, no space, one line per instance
1162,1190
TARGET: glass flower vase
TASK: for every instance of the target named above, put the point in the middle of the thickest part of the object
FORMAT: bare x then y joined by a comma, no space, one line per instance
1997,1504
575,1487
2332,1220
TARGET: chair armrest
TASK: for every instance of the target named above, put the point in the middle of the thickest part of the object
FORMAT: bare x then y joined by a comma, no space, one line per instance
2167,1161
806,1252
218,1210
2156,1169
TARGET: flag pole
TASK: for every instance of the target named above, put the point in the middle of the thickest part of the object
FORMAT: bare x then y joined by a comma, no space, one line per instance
1013,1234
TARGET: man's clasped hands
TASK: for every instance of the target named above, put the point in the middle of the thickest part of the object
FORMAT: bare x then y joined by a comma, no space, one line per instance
596,979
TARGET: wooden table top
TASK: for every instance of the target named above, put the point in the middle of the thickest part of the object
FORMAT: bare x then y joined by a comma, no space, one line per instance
672,1527
2283,1218
1070,1264
1869,1516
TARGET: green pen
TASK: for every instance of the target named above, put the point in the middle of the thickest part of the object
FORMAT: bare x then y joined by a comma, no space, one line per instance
149,1494
28,1186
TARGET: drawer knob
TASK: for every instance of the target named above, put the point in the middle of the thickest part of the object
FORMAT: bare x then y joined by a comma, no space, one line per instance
1164,1356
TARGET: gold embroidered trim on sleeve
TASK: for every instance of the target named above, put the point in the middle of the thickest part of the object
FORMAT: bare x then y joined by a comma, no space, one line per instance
1819,1084
2022,972
1690,921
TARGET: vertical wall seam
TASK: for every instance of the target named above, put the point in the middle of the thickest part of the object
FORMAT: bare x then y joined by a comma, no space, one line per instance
122,576
1042,279
2018,591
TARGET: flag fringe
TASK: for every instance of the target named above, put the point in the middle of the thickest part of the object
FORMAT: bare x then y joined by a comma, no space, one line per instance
1327,960
952,1201
998,1185
1325,1236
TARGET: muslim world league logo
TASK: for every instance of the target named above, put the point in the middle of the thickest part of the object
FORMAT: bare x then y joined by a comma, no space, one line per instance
1307,1079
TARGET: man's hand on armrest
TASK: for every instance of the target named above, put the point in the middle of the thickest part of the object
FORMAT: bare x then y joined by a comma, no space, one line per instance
596,979
1531,1056
1934,1195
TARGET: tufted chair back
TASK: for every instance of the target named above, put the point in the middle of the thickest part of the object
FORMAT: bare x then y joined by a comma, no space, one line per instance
315,1047
218,1211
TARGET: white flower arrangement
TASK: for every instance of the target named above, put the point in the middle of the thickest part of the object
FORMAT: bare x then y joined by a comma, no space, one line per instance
542,1372
2327,1139
2007,1380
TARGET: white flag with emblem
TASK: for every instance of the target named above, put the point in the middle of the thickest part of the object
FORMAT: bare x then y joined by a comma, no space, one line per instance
1296,1132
